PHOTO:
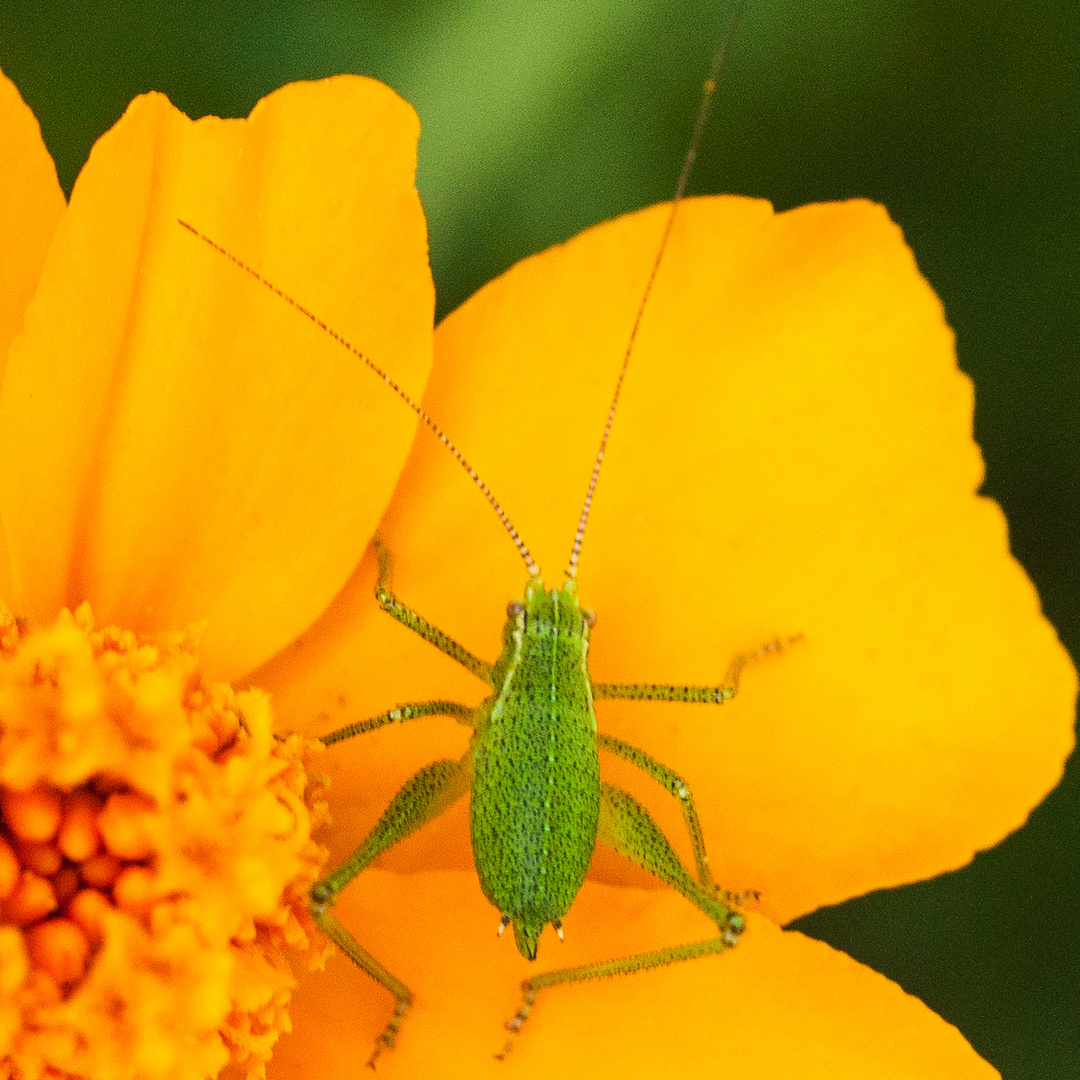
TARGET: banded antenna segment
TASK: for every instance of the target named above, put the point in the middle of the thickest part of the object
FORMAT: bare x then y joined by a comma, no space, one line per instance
700,125
523,551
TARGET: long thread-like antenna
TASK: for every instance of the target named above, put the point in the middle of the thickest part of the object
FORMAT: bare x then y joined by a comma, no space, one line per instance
530,565
680,190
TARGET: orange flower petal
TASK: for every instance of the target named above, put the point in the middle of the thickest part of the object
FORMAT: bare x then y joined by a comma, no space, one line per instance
793,454
180,445
779,1004
31,203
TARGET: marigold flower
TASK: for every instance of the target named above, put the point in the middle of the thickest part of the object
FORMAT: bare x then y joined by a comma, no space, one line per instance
156,851
156,857
793,455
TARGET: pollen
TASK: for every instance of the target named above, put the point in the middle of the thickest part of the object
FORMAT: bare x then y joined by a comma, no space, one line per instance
155,855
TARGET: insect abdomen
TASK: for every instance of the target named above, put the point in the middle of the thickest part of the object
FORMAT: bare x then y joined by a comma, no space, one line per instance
536,777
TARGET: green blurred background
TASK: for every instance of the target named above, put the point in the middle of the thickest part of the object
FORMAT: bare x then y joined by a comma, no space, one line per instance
544,116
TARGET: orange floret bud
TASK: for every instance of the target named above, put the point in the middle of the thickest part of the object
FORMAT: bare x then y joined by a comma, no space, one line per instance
123,825
43,859
43,989
9,869
155,859
78,837
60,949
32,815
32,899
87,907
65,884
101,870
135,889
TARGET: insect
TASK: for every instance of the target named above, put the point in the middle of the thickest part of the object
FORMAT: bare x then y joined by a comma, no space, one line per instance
538,806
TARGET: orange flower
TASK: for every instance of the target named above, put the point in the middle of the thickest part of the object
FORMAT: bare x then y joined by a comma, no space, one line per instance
793,455
156,854
156,858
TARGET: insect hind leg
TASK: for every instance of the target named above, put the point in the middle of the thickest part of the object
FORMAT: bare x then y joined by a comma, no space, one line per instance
628,827
426,795
674,785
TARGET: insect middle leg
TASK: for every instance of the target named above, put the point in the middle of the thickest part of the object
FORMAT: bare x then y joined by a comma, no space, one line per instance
429,792
627,826
415,710
710,695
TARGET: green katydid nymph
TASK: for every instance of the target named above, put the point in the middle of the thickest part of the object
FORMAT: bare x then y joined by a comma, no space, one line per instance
538,806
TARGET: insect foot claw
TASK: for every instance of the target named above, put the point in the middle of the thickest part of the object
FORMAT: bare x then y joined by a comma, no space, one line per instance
385,1041
381,1043
739,899
388,1039
513,1025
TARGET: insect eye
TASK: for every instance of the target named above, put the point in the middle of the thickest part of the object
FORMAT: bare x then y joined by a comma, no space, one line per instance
514,608
589,616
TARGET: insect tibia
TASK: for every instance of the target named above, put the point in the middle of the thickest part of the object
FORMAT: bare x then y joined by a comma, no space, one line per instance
400,714
687,695
729,937
700,695
385,598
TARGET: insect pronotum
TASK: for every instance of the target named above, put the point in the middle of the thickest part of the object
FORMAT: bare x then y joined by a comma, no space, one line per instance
535,738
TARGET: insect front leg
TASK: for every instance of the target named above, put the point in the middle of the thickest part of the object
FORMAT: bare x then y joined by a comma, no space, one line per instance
386,599
627,826
709,695
426,795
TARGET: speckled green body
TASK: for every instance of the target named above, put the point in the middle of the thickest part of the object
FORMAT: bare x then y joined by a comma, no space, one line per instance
535,802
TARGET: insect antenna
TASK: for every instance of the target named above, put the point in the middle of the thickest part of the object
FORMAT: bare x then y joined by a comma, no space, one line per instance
700,125
530,564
